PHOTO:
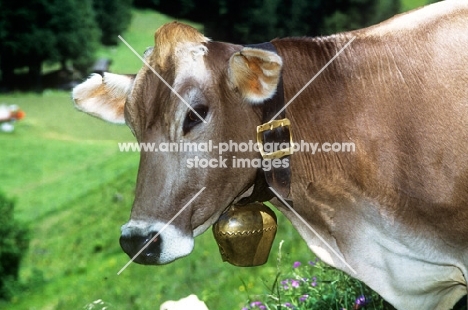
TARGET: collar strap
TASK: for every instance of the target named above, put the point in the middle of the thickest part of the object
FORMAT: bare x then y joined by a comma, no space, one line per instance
275,133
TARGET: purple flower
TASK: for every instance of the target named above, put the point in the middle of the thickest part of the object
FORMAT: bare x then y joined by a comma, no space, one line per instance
257,304
360,302
314,281
314,262
296,264
303,298
295,283
285,284
289,305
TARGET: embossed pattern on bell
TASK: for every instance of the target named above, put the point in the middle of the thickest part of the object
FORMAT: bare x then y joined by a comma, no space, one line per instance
245,233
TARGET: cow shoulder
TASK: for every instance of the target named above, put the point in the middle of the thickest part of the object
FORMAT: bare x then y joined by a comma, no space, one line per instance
104,96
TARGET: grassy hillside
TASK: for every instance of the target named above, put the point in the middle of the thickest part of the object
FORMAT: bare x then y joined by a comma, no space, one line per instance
411,4
53,147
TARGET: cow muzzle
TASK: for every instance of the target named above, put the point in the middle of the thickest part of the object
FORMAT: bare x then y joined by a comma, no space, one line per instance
155,243
147,248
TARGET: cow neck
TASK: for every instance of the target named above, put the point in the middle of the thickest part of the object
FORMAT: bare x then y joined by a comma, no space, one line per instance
276,131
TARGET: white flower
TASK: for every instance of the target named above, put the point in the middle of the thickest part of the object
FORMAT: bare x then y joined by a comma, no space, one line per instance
191,302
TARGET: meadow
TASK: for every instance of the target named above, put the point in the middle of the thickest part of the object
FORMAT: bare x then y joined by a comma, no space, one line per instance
74,189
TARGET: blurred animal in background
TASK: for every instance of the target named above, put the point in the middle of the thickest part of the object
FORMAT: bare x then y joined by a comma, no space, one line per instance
9,114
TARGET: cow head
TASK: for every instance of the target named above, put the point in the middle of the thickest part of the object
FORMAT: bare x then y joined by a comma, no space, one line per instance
224,85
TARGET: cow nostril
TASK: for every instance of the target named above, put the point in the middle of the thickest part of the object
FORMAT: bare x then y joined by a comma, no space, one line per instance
147,247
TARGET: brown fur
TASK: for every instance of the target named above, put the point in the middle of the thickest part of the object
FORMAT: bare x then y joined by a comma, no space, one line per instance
168,36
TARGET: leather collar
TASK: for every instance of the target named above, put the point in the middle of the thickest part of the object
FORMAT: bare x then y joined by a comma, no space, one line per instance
273,132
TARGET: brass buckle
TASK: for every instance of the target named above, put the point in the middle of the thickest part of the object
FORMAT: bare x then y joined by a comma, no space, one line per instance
270,126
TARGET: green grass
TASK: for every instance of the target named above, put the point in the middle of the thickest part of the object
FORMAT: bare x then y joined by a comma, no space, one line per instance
407,5
53,147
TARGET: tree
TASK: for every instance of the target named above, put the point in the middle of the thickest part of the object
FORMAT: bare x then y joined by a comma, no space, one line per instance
180,8
76,33
343,15
21,34
296,17
113,17
254,21
45,30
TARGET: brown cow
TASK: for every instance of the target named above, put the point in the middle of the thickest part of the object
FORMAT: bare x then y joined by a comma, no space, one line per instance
393,213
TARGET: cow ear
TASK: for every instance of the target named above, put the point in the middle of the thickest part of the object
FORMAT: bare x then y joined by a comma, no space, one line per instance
255,73
104,96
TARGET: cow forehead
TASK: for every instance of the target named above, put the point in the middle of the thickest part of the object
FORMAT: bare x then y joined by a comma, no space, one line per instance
179,52
190,63
172,38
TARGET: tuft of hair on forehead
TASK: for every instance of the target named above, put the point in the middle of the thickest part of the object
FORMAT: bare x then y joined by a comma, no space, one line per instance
168,36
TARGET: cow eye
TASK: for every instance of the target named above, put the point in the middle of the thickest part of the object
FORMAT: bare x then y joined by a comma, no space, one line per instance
192,119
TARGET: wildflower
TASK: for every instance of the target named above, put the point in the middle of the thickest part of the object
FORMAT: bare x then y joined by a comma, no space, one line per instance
361,302
296,264
285,284
295,283
314,262
289,305
257,304
314,281
303,298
